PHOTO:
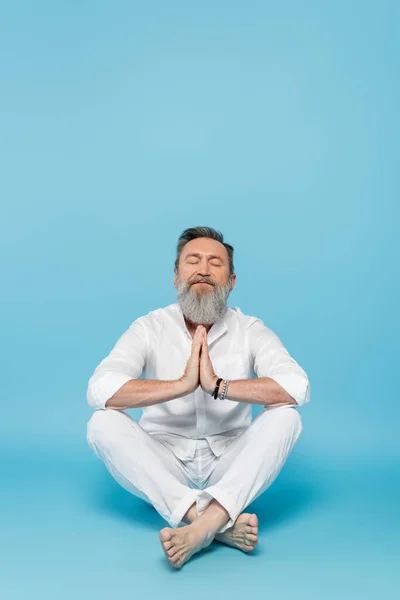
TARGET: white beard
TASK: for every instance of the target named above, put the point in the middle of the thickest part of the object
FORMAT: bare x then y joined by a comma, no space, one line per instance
203,307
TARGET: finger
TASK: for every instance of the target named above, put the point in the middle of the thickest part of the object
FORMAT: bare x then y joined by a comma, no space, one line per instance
198,334
204,353
196,343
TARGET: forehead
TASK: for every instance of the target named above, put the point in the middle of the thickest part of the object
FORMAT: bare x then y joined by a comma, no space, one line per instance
205,246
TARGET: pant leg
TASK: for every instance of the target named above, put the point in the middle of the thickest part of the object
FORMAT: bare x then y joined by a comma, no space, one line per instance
141,464
252,461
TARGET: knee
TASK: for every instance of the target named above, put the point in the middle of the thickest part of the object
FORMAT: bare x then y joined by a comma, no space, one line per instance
297,422
289,418
102,426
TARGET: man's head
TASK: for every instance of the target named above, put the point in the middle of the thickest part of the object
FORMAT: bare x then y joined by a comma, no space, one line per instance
204,274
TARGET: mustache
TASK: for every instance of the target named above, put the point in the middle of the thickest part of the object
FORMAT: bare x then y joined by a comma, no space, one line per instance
210,281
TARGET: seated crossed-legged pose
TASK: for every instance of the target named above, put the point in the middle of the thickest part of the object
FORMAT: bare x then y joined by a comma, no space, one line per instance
195,454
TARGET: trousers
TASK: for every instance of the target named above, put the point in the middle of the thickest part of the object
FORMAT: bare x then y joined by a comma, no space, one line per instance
148,468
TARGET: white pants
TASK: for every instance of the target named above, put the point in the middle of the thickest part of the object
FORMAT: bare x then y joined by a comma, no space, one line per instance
148,468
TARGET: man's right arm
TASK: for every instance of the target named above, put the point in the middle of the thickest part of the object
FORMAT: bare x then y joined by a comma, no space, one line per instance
124,364
137,393
115,382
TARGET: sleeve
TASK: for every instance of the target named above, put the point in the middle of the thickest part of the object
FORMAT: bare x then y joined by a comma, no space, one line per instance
126,361
271,359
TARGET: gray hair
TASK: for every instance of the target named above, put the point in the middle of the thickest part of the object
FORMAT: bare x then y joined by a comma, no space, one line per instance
197,232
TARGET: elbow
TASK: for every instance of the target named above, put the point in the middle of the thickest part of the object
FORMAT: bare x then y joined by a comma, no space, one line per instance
111,404
295,387
93,399
290,400
303,396
102,389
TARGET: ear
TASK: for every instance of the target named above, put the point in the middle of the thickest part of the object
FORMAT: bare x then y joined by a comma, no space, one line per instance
233,281
175,278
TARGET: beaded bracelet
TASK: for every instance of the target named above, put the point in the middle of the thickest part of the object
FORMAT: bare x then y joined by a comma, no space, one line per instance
225,389
216,390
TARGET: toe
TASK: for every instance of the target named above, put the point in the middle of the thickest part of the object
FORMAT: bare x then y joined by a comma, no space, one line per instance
175,561
250,529
167,545
165,534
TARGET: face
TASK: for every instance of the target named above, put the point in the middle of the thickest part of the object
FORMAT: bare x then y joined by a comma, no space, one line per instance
203,280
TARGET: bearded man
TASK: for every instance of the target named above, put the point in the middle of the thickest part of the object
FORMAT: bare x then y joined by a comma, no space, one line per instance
195,367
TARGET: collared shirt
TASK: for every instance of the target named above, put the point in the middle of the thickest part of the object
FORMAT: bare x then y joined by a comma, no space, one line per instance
158,345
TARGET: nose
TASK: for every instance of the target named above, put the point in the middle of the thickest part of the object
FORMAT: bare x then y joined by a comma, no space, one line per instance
204,271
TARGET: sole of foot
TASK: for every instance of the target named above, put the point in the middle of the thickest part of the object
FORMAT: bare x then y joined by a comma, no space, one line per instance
243,534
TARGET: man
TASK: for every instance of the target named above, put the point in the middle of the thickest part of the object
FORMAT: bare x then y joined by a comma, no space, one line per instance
195,454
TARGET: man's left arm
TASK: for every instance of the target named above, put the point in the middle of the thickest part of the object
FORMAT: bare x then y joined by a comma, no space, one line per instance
280,379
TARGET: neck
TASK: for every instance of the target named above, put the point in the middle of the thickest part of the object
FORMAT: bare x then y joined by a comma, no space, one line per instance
192,326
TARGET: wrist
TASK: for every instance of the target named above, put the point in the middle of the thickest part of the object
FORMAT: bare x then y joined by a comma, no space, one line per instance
214,385
183,388
223,389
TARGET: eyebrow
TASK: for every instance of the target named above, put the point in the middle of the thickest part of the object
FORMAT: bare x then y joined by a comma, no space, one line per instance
198,255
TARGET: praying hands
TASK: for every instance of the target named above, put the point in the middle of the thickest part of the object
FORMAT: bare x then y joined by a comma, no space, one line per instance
199,369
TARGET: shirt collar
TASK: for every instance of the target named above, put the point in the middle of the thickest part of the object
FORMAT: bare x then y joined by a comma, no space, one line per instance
216,331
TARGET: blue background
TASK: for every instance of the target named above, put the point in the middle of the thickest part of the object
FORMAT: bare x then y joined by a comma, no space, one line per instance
123,123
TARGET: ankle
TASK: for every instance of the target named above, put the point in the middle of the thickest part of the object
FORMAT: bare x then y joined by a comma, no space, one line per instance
211,520
191,515
203,528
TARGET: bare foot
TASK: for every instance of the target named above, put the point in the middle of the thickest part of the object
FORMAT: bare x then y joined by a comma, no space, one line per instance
243,533
180,544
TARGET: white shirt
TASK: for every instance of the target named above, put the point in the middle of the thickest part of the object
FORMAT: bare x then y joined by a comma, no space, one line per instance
158,345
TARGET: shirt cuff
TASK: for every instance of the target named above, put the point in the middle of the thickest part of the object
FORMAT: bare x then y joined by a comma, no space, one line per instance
105,387
295,385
